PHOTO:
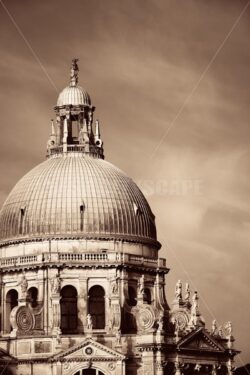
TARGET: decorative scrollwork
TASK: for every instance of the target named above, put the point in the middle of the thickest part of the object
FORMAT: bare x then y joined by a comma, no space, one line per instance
24,319
145,318
180,320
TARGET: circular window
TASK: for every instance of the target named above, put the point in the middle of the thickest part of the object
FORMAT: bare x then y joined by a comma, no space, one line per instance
88,350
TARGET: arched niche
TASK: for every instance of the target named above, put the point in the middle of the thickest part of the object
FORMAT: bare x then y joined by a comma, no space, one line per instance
69,311
11,301
33,295
96,306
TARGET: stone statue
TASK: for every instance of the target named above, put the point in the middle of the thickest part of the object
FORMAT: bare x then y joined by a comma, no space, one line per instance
195,304
194,310
220,331
229,329
58,339
141,285
197,367
118,337
114,287
89,322
160,324
178,290
214,370
23,285
214,327
56,284
187,294
74,73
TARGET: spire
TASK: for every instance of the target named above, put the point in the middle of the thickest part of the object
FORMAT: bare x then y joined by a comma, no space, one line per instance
74,73
97,130
52,128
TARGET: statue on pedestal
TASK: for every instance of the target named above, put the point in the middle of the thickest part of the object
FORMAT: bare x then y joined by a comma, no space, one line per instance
89,322
56,285
23,285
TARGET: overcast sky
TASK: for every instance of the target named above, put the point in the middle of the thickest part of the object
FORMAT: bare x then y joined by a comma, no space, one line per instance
148,66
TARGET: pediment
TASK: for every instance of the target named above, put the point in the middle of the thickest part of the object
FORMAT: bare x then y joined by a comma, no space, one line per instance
87,350
200,340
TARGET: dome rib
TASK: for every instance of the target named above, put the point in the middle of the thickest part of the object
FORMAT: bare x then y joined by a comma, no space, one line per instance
73,95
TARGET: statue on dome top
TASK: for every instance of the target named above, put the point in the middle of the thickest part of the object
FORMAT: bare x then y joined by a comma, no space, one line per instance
74,73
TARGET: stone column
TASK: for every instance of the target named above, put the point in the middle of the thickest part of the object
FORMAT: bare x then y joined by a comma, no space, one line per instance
178,368
159,363
40,286
230,367
55,285
148,363
3,303
82,304
56,315
120,368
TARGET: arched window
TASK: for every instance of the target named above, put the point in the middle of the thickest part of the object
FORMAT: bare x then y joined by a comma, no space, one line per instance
97,306
33,293
147,296
11,302
69,309
132,300
90,371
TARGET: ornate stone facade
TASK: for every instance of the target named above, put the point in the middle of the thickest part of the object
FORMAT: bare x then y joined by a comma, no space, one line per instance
82,283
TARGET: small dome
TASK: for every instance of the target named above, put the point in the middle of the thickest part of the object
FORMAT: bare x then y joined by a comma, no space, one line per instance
77,197
73,95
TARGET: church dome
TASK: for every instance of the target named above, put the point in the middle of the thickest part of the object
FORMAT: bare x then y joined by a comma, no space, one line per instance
76,196
73,95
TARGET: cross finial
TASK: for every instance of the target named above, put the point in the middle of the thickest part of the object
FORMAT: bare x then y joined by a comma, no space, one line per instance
74,72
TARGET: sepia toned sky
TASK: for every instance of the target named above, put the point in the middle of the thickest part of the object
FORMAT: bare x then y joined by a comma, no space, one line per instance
149,65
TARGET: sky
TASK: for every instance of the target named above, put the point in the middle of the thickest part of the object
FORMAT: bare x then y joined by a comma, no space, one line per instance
170,81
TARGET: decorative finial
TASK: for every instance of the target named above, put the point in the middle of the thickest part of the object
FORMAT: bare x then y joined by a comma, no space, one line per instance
74,73
52,127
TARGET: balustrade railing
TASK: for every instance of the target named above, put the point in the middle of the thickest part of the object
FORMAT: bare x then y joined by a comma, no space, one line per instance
82,258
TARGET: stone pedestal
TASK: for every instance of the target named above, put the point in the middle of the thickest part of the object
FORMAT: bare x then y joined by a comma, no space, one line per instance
56,314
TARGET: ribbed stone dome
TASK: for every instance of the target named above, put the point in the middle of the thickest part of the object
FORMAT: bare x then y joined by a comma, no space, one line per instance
76,196
73,95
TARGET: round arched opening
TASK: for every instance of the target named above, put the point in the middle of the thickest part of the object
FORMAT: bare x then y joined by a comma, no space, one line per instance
33,294
132,297
147,296
69,309
96,306
11,302
90,371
